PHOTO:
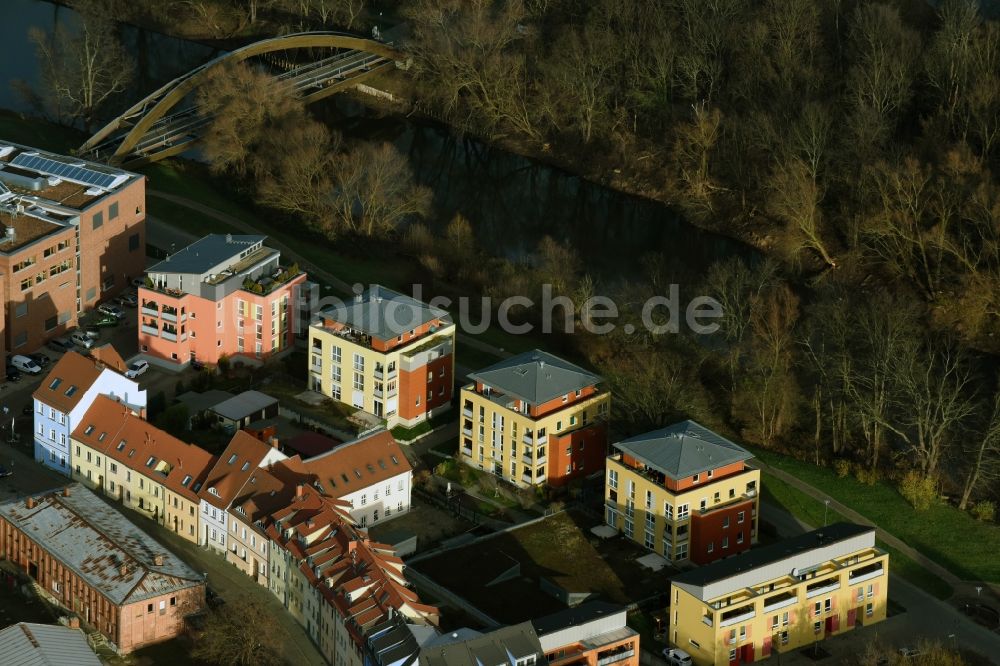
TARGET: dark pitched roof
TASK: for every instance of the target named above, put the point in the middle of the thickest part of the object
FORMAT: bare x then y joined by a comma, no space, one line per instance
535,376
496,647
764,555
683,449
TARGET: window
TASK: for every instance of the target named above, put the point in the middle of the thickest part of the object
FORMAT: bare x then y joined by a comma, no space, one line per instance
828,605
133,242
613,478
703,504
113,211
668,511
682,512
784,636
98,222
871,591
732,656
364,500
725,542
817,627
696,478
711,547
869,610
817,608
725,522
740,516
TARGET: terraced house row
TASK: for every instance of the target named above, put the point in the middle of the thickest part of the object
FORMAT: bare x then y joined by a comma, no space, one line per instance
291,525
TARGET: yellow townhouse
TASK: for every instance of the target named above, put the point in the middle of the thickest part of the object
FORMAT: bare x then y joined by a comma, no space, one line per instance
780,597
535,419
385,353
141,466
684,492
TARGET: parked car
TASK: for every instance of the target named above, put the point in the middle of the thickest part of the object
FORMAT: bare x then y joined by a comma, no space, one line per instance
81,338
676,657
41,359
13,374
60,344
128,299
28,410
137,369
25,364
111,309
5,471
107,321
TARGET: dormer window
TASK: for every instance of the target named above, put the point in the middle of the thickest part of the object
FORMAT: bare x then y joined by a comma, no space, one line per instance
696,478
214,491
121,445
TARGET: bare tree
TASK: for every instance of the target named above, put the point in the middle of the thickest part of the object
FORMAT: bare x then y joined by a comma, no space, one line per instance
82,72
240,634
795,199
375,191
983,454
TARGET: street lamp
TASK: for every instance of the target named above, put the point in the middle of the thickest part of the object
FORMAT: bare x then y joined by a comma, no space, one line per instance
826,508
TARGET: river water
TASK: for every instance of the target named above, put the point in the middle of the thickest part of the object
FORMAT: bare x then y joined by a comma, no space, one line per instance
511,201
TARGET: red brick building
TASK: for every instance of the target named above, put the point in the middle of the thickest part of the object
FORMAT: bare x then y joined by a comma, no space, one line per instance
72,235
91,560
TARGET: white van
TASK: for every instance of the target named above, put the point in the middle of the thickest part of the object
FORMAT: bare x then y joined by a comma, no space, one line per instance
25,364
677,657
82,339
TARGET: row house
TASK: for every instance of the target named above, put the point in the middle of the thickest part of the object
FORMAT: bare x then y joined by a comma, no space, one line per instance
595,633
68,391
683,492
385,353
371,474
778,598
72,234
334,581
225,482
535,419
88,558
140,466
223,295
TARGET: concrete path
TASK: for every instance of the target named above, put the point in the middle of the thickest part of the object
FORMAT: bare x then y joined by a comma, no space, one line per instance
339,285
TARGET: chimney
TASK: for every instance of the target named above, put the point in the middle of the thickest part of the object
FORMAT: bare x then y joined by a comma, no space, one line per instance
299,489
158,560
73,622
30,503
229,238
352,546
274,442
123,569
65,492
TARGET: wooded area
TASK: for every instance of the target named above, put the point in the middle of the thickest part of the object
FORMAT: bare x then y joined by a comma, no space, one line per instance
855,143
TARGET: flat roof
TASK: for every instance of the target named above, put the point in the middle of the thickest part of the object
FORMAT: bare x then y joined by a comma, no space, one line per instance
535,376
683,450
384,313
94,540
243,405
575,616
758,559
206,253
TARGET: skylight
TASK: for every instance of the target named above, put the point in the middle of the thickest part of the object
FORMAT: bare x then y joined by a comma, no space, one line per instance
245,467
232,459
394,461
344,477
151,461
70,391
357,474
381,463
100,438
55,383
187,480
89,430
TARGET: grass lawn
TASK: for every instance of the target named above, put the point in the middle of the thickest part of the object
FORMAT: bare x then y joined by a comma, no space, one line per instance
932,532
189,220
404,434
810,510
474,359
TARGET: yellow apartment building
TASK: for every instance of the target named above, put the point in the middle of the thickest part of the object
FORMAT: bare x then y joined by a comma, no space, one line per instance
140,466
780,597
535,419
385,353
683,492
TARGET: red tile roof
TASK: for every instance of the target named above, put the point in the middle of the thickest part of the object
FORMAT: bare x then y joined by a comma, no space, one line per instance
358,464
233,469
67,381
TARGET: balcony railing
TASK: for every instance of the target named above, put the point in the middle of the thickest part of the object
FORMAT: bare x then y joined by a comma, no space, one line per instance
707,620
617,656
150,311
781,603
527,438
736,619
167,335
467,432
467,413
817,591
866,576
379,374
150,330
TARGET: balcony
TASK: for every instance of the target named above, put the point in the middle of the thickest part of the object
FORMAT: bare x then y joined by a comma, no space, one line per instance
866,573
737,618
542,440
467,432
267,284
621,655
150,330
150,309
467,413
780,601
379,373
378,393
528,438
168,335
817,590
707,620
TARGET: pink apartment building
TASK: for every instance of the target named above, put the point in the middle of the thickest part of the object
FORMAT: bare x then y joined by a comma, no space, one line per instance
221,295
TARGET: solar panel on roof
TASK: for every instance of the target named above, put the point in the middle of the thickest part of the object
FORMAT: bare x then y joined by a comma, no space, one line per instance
75,172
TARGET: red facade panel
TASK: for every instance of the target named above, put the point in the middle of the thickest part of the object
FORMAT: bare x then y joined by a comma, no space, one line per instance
710,529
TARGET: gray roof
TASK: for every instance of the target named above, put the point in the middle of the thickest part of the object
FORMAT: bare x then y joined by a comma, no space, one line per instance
243,405
500,646
683,449
206,253
535,376
30,644
200,402
384,313
90,537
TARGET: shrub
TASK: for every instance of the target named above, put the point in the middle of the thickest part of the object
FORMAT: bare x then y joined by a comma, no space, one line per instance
224,365
984,510
919,490
868,477
842,468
